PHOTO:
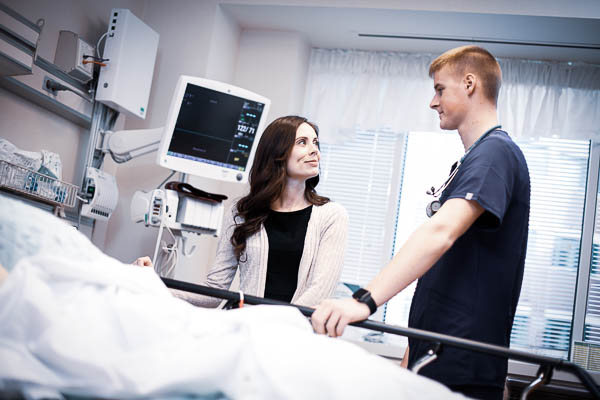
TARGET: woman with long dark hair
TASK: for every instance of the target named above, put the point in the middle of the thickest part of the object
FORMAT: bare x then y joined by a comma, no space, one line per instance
287,241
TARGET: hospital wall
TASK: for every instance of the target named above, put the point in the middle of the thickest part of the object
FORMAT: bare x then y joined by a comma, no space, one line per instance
196,38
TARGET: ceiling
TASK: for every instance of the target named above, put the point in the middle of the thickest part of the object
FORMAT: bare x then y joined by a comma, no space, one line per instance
538,37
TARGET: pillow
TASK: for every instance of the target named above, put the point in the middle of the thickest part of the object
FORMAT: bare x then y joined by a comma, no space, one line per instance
26,230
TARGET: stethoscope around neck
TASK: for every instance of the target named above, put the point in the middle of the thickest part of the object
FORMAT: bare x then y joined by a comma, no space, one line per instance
436,204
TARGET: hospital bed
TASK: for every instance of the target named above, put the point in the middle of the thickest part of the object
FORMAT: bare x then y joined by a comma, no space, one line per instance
78,321
547,365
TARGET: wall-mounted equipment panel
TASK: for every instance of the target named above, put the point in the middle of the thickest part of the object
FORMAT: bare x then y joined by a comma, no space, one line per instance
130,52
53,90
35,78
18,43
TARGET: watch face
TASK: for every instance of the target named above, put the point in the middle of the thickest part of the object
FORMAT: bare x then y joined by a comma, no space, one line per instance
359,294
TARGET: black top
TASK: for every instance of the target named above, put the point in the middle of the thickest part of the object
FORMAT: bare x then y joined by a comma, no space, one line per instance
473,290
286,232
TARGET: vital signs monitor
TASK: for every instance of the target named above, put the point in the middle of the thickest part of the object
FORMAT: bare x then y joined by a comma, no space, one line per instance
212,129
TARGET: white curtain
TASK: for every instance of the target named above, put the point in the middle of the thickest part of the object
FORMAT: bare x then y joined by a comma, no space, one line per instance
349,90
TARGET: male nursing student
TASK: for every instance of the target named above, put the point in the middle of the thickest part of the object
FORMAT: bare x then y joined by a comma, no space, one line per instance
469,256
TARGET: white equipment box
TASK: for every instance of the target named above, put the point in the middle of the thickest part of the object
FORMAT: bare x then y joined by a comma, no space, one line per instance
154,207
102,188
200,213
131,46
180,213
70,56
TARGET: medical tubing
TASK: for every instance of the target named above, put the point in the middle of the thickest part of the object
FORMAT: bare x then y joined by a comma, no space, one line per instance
98,45
466,344
155,256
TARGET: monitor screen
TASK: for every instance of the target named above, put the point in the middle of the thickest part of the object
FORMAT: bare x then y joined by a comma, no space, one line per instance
212,129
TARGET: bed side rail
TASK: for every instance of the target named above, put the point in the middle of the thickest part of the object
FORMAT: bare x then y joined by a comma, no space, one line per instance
547,364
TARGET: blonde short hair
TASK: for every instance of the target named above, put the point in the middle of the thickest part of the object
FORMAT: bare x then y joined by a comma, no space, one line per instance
473,59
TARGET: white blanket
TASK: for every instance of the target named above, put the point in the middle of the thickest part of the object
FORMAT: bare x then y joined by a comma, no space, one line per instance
103,328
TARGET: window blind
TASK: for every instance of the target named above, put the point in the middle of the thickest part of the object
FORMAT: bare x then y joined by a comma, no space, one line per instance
359,175
558,173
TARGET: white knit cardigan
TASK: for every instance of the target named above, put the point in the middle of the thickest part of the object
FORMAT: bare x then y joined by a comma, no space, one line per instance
320,265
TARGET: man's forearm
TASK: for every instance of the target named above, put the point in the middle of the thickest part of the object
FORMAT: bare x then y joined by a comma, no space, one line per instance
422,249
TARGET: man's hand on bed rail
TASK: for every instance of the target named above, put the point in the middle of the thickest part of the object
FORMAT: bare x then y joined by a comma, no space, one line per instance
143,262
333,315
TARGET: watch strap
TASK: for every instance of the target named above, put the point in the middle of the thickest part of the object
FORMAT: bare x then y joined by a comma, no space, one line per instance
364,296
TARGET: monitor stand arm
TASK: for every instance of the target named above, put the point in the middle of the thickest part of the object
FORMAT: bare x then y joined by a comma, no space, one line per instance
125,145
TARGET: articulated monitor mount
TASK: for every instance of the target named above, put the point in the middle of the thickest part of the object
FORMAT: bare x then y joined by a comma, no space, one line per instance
125,145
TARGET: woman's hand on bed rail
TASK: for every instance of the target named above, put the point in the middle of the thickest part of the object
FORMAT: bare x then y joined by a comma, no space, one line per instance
404,362
3,274
333,315
144,261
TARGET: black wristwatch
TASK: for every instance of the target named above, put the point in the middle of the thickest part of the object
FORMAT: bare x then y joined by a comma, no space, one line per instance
364,296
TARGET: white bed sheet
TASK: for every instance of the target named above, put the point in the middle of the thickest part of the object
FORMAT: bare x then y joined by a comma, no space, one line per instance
91,325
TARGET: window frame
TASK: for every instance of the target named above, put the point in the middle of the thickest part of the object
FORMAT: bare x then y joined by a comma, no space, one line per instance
585,253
